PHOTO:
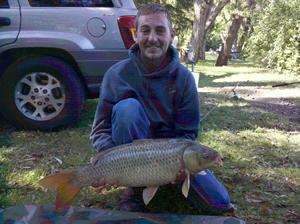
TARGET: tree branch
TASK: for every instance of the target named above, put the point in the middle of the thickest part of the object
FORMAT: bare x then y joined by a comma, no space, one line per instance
214,14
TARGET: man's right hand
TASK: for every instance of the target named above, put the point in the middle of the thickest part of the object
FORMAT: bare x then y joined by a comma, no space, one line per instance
181,176
100,184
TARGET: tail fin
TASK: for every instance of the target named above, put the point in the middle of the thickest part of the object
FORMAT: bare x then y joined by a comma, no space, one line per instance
66,188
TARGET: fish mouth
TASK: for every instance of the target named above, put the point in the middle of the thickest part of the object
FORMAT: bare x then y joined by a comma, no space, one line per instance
219,162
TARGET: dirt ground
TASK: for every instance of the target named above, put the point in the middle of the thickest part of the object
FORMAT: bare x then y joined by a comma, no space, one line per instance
277,100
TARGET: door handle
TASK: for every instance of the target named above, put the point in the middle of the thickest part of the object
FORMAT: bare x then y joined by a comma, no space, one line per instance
4,21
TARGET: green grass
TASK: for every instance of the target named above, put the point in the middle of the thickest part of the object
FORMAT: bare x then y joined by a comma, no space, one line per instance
261,149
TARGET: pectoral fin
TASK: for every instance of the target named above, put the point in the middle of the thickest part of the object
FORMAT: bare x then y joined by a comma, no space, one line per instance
186,184
148,193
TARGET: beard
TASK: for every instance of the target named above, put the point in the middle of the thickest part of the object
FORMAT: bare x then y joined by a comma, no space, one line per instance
153,54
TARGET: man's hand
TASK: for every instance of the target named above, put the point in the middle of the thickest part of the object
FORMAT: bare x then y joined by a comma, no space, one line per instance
181,176
100,184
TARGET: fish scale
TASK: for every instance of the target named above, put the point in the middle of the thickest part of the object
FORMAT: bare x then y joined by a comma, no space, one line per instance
142,166
148,163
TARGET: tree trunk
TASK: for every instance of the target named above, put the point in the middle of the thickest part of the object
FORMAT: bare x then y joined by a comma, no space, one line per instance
203,21
214,14
201,9
203,47
246,32
231,35
244,36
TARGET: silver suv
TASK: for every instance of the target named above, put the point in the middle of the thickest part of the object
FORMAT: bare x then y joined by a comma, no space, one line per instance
54,53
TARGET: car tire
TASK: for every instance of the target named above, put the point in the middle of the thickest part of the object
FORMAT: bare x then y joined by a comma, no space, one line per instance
41,93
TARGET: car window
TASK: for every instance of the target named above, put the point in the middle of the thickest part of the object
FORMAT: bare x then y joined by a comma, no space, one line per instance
71,3
4,4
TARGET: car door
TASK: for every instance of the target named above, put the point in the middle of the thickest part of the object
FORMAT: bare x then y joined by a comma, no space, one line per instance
9,21
89,30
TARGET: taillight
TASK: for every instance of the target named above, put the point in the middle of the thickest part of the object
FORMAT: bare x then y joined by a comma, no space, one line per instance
126,26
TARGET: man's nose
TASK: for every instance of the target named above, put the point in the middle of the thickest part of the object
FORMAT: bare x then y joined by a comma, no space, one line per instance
152,36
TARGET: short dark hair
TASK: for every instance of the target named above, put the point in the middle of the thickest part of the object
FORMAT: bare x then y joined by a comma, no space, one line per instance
153,9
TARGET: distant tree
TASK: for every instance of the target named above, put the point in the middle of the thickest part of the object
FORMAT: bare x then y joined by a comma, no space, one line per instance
247,30
140,3
212,40
181,12
241,8
227,45
204,17
275,41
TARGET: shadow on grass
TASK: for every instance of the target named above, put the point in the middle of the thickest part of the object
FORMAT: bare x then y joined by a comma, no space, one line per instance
210,60
207,80
242,114
210,73
4,189
5,131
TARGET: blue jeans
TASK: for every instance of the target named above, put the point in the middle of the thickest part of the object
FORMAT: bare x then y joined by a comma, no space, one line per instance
130,122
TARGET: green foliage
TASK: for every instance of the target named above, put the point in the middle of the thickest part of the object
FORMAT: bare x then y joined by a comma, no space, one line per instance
182,22
212,40
276,37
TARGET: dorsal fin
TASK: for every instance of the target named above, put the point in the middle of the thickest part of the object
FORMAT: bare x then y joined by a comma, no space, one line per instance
100,154
143,140
97,156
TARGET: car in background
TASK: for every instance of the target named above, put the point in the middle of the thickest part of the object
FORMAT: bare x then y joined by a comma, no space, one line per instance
54,54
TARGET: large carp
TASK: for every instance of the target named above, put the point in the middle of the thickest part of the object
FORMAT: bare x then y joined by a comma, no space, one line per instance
142,163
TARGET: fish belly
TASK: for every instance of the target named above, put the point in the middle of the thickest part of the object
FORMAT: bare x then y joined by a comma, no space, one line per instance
141,163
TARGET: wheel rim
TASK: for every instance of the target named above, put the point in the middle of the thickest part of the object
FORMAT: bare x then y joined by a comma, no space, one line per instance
39,96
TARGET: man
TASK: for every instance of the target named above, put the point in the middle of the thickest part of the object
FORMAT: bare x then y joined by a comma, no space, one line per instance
151,95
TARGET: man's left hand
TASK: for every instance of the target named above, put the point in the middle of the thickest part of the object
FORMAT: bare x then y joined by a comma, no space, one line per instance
181,176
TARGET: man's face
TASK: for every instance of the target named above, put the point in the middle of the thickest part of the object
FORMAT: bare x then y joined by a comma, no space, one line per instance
153,36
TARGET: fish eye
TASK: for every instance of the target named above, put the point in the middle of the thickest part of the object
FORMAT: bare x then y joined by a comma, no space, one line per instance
205,155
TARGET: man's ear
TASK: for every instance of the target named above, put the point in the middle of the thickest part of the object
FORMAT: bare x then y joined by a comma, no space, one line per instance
172,36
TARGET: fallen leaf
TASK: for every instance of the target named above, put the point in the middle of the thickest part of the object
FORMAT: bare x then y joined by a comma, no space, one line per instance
293,213
53,170
264,199
12,183
60,162
281,196
236,170
271,170
293,189
251,200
